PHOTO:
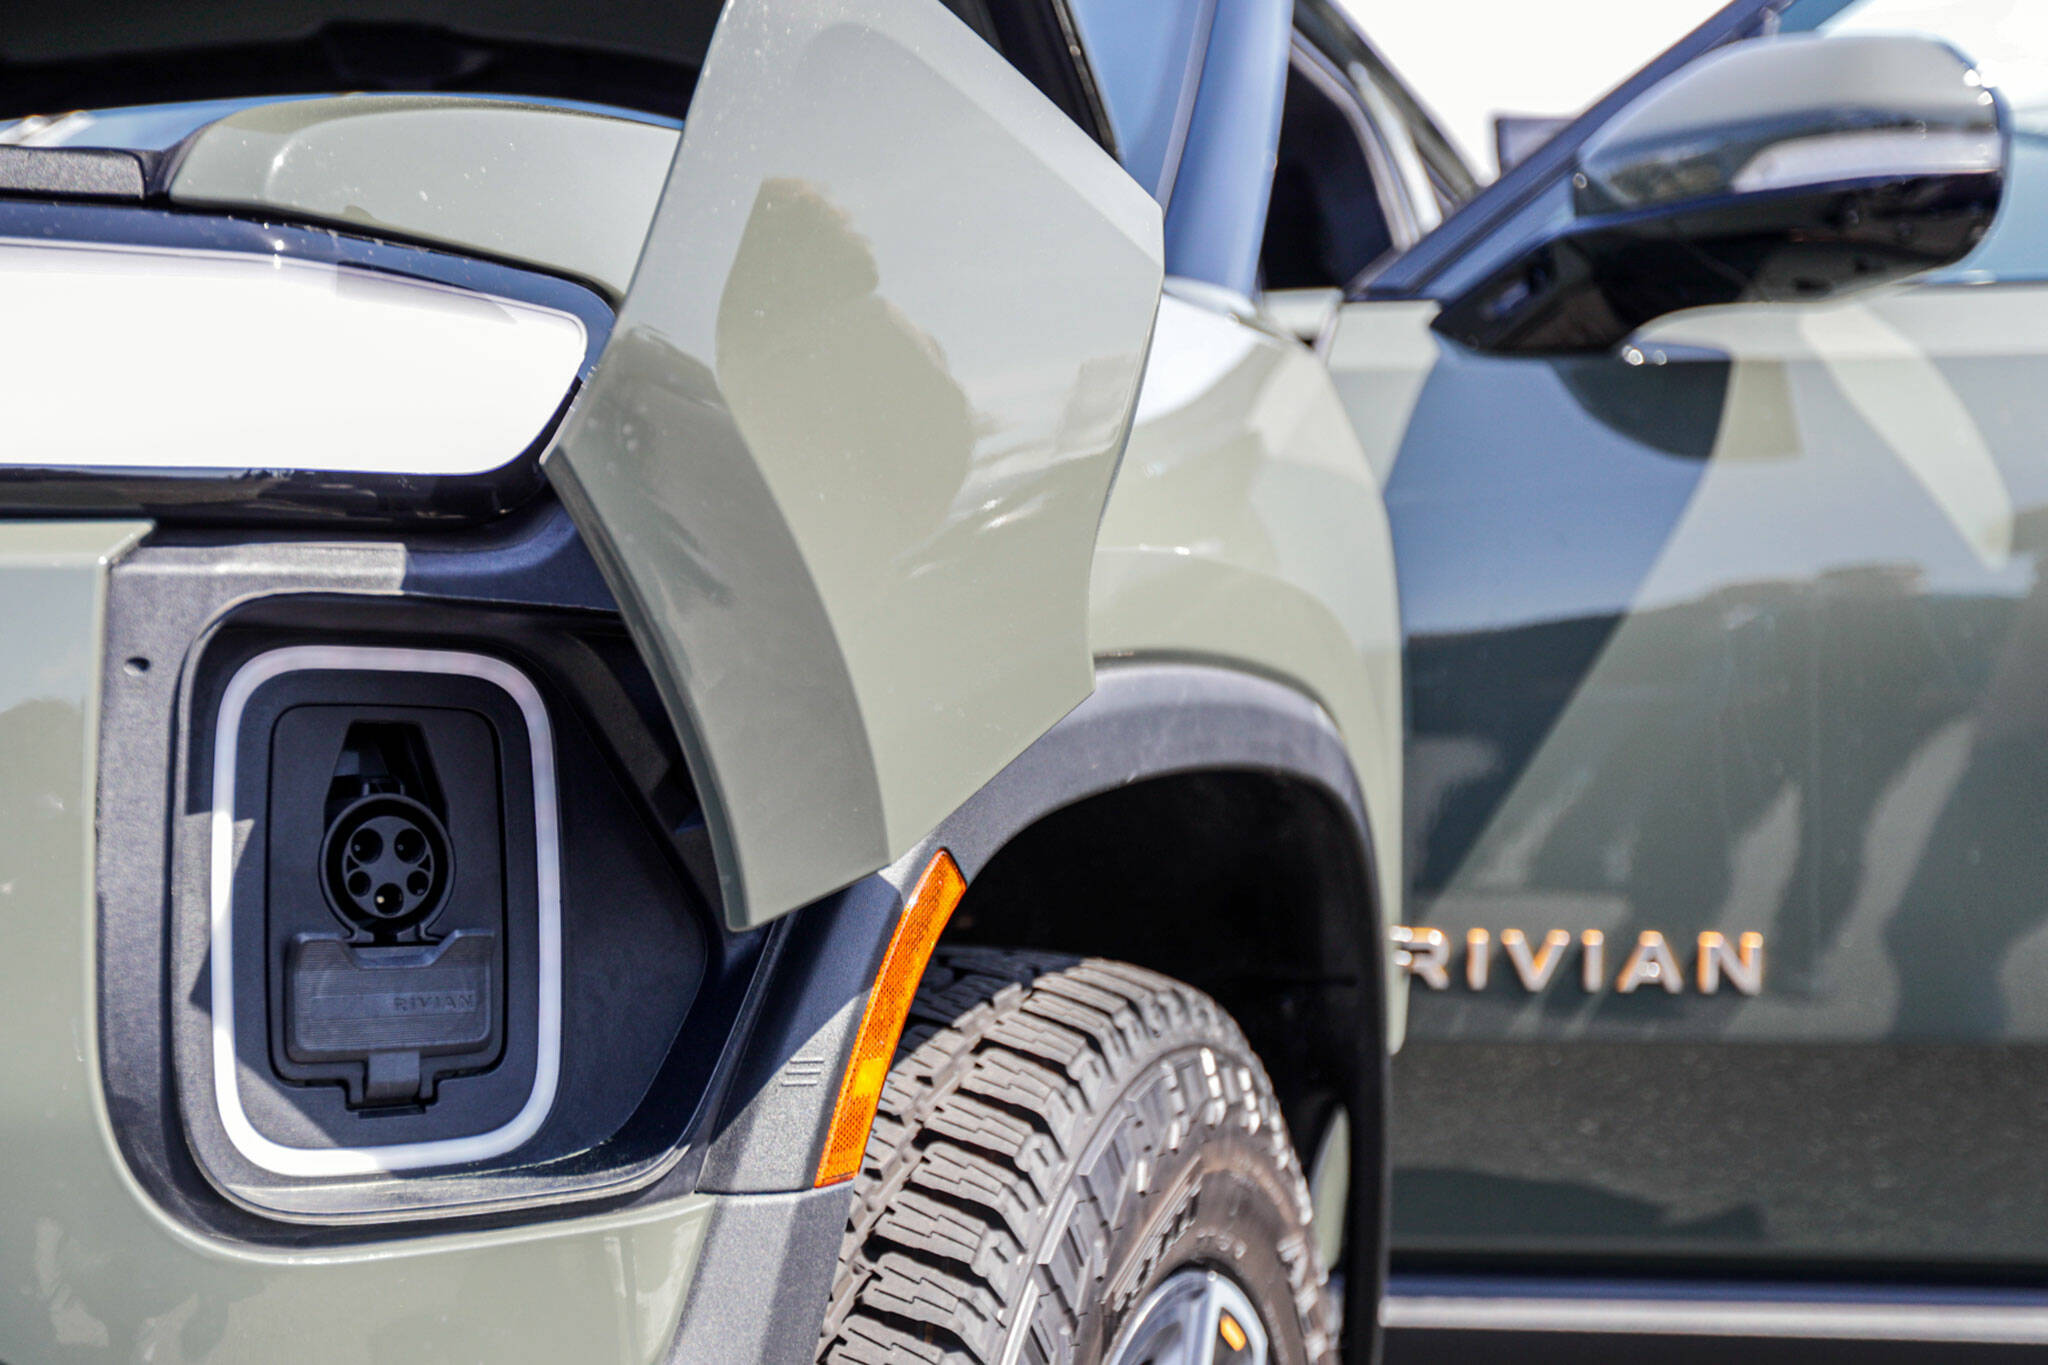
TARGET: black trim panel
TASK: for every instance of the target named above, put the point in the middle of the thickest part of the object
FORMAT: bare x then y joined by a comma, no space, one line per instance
1153,720
1534,1319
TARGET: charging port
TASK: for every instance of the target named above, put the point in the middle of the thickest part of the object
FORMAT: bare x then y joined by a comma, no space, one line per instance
393,973
388,863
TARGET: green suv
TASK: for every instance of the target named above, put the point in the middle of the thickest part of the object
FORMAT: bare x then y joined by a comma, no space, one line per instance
725,682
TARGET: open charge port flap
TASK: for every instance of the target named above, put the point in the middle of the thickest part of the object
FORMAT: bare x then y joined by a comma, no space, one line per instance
389,1007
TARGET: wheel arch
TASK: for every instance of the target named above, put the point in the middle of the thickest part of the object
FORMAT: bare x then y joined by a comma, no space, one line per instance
1206,822
1159,749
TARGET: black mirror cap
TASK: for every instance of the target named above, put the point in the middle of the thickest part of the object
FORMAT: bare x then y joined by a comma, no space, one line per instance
1886,160
1591,286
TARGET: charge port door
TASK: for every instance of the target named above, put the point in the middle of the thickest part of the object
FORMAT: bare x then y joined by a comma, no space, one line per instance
844,457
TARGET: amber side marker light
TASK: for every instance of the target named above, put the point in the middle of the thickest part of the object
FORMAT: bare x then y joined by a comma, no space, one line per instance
881,1025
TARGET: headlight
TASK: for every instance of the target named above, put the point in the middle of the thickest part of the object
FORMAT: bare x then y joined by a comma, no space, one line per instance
297,373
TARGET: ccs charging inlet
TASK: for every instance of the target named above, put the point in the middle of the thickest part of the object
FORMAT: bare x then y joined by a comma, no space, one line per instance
385,996
387,863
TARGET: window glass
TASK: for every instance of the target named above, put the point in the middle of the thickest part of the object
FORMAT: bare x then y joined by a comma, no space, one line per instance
2008,40
1399,137
1147,60
1327,220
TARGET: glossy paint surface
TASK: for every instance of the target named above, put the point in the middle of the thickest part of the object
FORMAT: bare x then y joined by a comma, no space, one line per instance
845,457
90,1269
1737,629
1246,528
564,190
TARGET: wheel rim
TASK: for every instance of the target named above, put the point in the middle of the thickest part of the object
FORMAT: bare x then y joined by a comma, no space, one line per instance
1194,1317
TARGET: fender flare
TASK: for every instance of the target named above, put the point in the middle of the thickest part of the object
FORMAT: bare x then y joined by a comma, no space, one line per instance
1144,720
1153,719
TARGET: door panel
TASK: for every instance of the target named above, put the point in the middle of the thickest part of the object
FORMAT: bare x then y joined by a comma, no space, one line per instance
1238,442
844,459
1746,636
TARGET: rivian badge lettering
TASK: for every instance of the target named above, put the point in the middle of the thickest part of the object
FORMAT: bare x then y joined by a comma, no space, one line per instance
1424,954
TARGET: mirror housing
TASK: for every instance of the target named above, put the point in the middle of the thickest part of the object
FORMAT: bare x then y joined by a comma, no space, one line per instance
1783,168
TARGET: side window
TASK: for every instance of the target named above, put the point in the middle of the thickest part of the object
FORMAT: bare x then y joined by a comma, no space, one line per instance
2008,41
1339,198
1426,194
1326,221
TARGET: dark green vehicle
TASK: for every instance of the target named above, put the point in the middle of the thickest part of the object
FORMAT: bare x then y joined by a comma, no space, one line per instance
721,682
1725,783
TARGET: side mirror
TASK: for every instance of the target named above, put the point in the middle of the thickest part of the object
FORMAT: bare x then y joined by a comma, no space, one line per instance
1799,167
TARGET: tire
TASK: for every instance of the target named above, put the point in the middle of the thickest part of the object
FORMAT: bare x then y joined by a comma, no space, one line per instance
1056,1138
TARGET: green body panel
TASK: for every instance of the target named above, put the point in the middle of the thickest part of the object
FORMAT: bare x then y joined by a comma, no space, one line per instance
1737,629
1246,528
90,1268
844,458
568,192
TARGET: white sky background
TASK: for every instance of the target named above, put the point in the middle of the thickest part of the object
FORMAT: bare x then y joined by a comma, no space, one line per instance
1472,59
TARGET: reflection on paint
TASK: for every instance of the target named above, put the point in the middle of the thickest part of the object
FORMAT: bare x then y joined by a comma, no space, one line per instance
1815,606
1906,402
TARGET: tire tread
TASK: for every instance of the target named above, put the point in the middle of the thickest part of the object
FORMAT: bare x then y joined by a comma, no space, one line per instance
995,1095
